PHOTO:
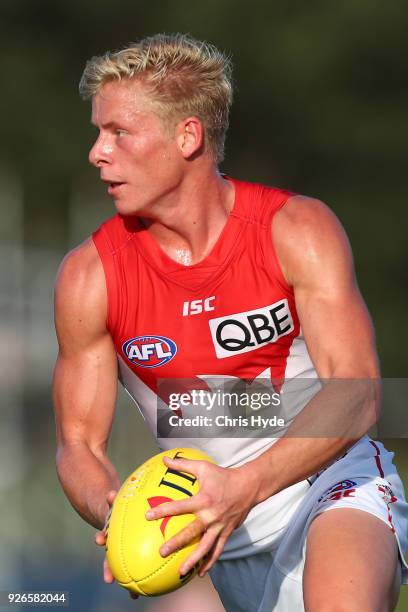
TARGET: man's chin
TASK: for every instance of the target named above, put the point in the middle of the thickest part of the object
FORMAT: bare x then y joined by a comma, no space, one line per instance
130,209
126,209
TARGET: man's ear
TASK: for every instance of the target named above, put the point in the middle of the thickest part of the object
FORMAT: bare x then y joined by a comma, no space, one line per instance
190,136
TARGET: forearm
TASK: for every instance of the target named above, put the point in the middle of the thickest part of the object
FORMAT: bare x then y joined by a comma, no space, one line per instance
331,422
86,480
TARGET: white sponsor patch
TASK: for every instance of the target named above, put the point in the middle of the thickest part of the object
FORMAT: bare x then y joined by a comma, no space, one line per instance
246,331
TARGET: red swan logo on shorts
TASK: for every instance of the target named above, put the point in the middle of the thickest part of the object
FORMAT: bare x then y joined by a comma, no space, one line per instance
149,351
387,494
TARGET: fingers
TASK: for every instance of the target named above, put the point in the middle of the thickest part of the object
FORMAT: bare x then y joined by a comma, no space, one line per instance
214,554
185,536
183,465
100,538
208,542
111,496
182,506
107,574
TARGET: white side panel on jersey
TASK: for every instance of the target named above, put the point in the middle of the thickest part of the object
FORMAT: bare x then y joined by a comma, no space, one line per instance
145,398
301,380
299,363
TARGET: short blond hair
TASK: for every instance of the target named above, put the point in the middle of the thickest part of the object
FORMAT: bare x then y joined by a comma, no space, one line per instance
185,77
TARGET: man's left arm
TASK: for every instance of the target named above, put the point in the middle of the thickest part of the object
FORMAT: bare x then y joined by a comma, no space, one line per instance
316,261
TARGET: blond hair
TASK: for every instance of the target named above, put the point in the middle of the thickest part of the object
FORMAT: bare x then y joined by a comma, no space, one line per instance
185,77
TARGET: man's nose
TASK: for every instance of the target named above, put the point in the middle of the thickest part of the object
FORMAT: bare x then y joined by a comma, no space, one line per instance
101,152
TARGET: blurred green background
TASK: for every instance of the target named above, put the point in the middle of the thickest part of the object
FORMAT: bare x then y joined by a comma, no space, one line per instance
320,108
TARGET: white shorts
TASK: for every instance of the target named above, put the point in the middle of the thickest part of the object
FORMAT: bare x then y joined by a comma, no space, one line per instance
365,478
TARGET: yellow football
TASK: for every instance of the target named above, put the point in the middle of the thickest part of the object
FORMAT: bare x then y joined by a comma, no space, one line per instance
133,542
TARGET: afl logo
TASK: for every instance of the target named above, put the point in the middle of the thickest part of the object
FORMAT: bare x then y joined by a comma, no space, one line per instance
149,351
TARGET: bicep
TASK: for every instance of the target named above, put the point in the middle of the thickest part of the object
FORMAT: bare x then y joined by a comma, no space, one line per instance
332,313
85,377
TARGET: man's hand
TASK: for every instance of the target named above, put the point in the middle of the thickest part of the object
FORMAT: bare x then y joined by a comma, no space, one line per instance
100,540
223,503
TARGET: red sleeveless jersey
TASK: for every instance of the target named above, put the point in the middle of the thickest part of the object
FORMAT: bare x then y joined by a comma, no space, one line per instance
230,315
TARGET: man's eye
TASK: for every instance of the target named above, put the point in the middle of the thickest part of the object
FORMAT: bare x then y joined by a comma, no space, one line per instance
120,133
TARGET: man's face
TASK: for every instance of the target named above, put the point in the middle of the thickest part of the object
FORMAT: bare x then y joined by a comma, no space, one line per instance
138,160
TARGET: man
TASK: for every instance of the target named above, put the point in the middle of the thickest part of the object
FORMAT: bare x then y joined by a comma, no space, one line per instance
158,289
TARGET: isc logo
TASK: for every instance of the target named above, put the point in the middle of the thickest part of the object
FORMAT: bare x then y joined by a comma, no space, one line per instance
246,331
149,351
197,306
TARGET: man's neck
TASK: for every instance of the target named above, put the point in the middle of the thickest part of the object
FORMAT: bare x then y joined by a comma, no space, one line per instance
188,227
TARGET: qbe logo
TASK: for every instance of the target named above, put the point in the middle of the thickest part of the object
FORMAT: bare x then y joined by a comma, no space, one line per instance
246,331
150,351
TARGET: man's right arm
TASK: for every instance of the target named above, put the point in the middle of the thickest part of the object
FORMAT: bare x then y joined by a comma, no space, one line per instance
85,385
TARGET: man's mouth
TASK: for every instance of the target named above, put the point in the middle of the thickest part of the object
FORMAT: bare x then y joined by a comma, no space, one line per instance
114,187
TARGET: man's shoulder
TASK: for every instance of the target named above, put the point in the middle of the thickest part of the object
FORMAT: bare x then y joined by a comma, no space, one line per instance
306,232
261,190
81,260
292,212
81,271
304,216
80,294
